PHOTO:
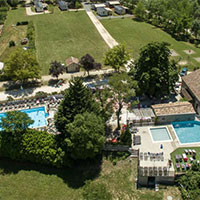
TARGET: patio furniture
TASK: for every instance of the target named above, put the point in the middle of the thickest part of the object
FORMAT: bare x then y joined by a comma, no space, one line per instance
184,157
145,171
150,171
183,166
160,171
155,171
165,171
177,157
178,166
191,159
141,155
145,156
186,151
193,152
190,151
137,139
187,165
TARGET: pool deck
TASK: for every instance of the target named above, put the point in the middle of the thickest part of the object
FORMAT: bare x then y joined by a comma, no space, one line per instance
147,145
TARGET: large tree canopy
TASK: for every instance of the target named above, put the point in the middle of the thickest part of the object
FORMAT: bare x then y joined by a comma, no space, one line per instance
22,65
15,121
56,68
117,57
78,99
155,73
85,136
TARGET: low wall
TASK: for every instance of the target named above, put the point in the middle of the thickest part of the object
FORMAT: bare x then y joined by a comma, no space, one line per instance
171,118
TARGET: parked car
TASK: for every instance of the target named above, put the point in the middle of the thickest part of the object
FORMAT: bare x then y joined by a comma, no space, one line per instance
184,71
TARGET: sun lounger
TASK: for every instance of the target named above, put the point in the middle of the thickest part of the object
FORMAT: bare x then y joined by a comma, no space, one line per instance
141,155
165,171
186,151
137,140
160,171
178,166
193,152
155,171
190,151
191,159
150,171
184,157
145,156
146,171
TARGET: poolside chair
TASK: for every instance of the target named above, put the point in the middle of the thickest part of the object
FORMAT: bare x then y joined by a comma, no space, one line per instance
160,171
155,171
141,155
186,151
145,156
190,151
178,166
191,159
145,171
165,171
150,171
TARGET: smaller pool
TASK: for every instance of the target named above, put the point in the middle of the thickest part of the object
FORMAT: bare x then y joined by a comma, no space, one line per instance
160,134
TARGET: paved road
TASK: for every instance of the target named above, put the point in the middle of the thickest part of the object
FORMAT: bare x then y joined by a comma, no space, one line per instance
110,41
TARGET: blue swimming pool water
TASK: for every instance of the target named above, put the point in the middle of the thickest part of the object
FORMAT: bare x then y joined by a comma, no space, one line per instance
187,131
160,134
36,114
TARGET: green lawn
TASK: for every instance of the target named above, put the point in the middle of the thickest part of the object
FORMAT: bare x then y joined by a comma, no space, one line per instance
137,34
181,151
34,182
58,36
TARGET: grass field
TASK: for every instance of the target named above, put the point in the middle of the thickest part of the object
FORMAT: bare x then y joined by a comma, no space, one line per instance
181,151
27,181
137,34
58,36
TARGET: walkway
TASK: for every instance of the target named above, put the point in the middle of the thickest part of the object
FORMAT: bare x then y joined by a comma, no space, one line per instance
110,41
16,94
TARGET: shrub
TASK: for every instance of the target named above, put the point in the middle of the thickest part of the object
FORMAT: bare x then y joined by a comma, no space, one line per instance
11,43
31,34
35,146
41,94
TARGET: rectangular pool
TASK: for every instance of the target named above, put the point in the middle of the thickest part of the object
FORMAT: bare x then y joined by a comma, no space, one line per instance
38,115
187,132
160,134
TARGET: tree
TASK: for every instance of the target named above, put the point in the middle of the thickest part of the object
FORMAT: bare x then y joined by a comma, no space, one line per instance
56,68
78,99
125,137
94,191
140,10
196,27
22,65
88,63
122,89
85,136
155,73
15,122
117,57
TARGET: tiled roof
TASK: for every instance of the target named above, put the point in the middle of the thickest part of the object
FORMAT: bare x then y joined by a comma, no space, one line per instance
71,60
192,81
173,108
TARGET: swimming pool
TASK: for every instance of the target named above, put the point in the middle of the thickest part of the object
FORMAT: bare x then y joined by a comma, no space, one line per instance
37,114
160,134
187,132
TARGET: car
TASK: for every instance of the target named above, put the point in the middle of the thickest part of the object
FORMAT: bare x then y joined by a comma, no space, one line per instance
184,71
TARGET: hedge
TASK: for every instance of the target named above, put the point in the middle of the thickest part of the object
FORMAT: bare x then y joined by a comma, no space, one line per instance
31,34
34,146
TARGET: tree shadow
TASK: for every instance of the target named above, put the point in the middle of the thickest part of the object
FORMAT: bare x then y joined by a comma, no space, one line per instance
74,176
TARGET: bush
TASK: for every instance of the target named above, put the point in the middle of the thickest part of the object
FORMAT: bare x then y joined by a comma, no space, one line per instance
41,94
35,146
22,23
11,43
